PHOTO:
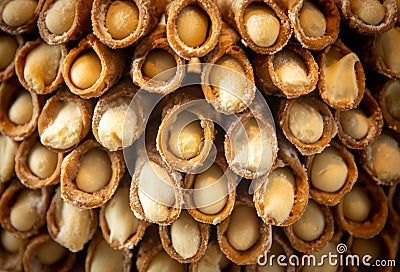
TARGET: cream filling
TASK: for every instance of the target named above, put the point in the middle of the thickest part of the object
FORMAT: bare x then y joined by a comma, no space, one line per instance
252,149
65,131
340,77
355,123
243,231
328,250
105,259
387,47
312,20
311,224
372,12
392,99
159,63
156,192
122,19
119,210
21,110
8,47
26,210
385,156
306,122
60,16
290,69
210,190
86,70
279,194
329,170
262,24
9,242
373,247
42,65
163,262
42,161
8,151
192,25
18,12
94,172
49,252
357,204
212,260
276,250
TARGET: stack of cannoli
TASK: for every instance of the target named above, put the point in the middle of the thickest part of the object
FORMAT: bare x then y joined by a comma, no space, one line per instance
199,135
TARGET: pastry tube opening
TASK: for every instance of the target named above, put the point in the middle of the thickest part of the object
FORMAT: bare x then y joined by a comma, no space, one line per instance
19,16
12,250
8,151
155,66
61,21
331,173
388,98
38,66
90,175
263,25
193,27
9,44
37,166
91,68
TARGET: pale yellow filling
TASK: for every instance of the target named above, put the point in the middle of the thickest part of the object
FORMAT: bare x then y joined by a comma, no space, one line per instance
159,63
340,77
42,65
49,252
328,250
8,47
9,242
261,24
106,259
357,204
117,211
185,235
329,170
306,122
26,209
312,20
65,131
18,12
279,194
185,136
158,195
311,224
21,110
95,171
392,98
163,262
373,247
387,47
290,69
8,150
122,19
42,161
252,148
385,155
213,259
192,25
210,190
372,12
60,16
86,70
276,250
355,123
228,78
243,231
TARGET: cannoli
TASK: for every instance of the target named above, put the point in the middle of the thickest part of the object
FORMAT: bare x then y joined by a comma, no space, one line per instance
9,46
65,121
263,25
91,68
291,72
389,101
44,254
19,16
342,80
359,127
313,230
119,24
393,198
37,166
23,210
61,21
12,250
227,77
69,226
331,173
193,27
90,175
155,66
19,111
363,211
8,151
307,123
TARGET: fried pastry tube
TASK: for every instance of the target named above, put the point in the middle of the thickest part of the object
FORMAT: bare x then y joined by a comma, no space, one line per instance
38,66
388,98
155,66
119,24
8,151
9,46
393,197
61,21
90,175
12,250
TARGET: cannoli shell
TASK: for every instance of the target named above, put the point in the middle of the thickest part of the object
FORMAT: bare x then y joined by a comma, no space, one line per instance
9,71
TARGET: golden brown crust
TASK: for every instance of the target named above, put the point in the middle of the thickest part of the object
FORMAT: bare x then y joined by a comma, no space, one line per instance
113,63
9,71
12,261
390,121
